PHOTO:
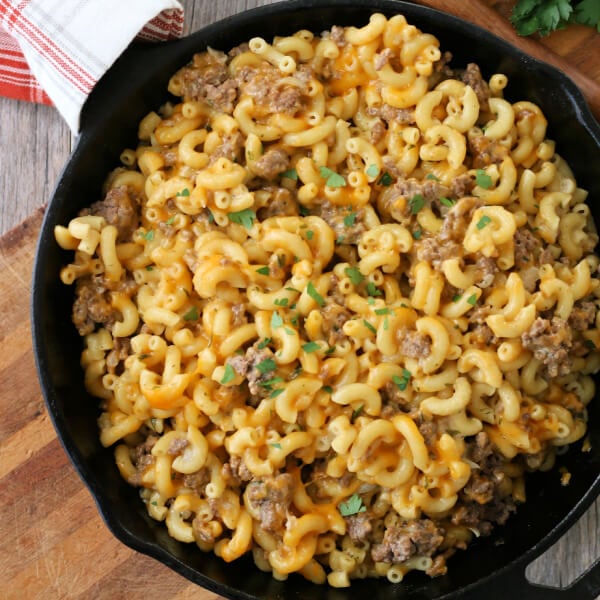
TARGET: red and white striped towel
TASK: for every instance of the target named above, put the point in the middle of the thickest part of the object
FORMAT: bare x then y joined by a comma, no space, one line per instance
54,51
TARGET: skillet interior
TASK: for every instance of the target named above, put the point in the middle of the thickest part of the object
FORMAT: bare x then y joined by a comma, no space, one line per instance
135,85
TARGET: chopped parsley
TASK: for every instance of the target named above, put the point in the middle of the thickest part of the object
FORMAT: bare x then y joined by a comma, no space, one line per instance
292,289
191,315
328,389
330,350
386,324
332,179
310,347
589,344
281,302
263,270
309,234
149,268
243,217
485,220
372,170
472,300
355,276
382,311
456,297
402,381
369,326
264,343
211,217
183,193
149,235
276,445
482,179
372,289
228,375
386,179
170,220
356,413
447,202
416,203
350,219
352,506
431,177
272,382
276,320
417,234
276,393
290,174
312,292
266,365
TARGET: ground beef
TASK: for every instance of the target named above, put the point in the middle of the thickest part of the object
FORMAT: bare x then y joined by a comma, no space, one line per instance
337,35
486,271
359,526
207,79
434,252
271,163
429,431
481,335
527,248
197,481
231,147
382,58
92,305
472,77
550,342
479,489
486,152
334,217
334,316
393,401
414,344
281,204
121,350
236,470
583,315
378,131
177,446
247,366
457,219
429,188
119,208
271,497
238,312
420,537
462,186
142,458
270,93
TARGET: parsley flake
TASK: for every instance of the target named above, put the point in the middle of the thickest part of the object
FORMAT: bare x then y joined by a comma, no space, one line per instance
356,413
309,234
456,297
431,177
290,174
276,320
372,171
417,234
263,270
170,220
485,220
372,290
447,202
191,315
355,276
386,179
243,217
350,219
328,389
472,300
266,365
369,326
310,347
228,375
402,381
382,311
264,343
149,235
183,193
589,344
416,203
312,292
276,445
482,179
352,506
333,179
276,393
281,302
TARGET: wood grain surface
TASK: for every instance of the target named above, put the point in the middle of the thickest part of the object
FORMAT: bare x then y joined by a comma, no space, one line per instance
53,544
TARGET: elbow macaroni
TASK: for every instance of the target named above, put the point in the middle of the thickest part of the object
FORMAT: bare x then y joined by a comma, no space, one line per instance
308,326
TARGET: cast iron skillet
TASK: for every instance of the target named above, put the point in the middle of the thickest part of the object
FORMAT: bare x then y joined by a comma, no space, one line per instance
136,84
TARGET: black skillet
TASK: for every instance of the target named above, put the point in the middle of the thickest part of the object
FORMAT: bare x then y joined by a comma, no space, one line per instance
490,568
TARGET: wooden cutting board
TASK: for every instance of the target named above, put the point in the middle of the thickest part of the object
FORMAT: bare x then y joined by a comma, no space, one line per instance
53,544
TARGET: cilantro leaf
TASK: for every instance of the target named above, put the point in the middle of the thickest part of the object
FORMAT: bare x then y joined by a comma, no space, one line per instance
191,315
243,217
485,220
276,393
587,12
310,347
312,292
417,234
352,506
416,203
482,179
355,276
372,170
228,375
332,178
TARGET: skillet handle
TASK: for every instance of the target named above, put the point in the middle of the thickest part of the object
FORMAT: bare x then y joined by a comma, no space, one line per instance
585,587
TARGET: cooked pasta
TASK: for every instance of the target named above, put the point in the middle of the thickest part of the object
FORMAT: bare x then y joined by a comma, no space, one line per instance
336,304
